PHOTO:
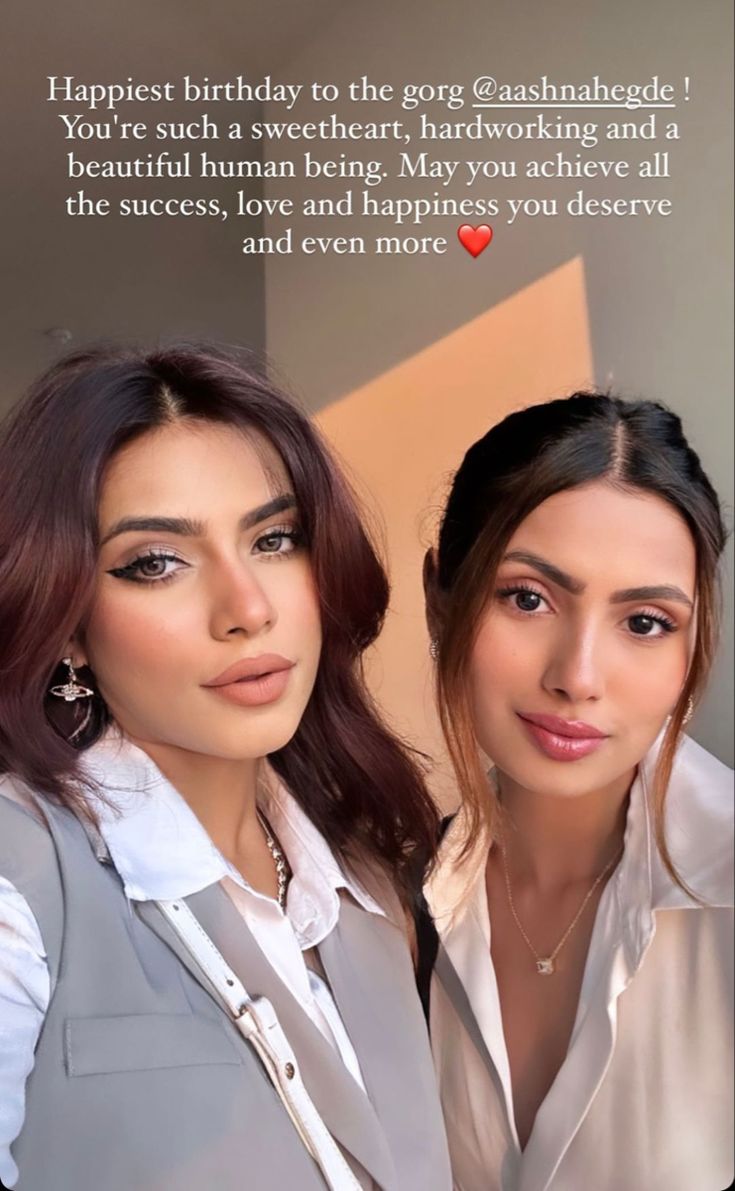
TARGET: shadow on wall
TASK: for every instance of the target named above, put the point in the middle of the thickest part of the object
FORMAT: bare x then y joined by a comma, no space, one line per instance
403,435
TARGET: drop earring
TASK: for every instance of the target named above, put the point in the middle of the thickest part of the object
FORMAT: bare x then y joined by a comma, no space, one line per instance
434,649
72,689
688,713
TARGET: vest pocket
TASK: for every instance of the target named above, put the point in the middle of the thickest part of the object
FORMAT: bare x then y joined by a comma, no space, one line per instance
144,1041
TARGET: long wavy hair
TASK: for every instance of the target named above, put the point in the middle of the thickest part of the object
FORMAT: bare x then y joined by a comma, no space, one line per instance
518,464
359,784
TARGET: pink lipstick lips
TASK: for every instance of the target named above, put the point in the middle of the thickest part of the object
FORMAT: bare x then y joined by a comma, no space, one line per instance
562,740
253,682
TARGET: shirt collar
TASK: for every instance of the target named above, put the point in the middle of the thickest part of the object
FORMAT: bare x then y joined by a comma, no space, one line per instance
699,814
162,851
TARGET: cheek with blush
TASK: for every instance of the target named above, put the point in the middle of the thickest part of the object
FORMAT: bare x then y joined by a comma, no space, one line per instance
647,690
134,647
504,671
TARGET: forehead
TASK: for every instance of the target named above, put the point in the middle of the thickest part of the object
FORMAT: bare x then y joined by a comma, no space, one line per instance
195,468
609,536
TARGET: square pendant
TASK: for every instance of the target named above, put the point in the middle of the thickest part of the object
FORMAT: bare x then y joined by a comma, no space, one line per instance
545,967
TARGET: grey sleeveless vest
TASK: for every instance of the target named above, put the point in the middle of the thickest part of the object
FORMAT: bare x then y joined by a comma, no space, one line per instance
140,1079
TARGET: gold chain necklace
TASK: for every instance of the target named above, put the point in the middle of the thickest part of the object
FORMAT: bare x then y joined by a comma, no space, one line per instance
283,871
545,963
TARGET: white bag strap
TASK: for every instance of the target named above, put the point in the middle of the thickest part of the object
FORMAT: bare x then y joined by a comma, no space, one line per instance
256,1020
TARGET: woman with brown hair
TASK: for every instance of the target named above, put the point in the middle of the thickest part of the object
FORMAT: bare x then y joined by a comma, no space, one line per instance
581,1007
204,974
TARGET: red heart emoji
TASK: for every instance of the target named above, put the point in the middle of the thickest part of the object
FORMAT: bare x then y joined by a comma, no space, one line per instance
475,239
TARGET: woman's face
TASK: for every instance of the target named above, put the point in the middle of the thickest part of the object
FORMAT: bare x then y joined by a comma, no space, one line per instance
584,646
202,568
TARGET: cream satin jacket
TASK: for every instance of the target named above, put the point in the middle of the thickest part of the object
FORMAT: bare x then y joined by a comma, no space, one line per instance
644,1098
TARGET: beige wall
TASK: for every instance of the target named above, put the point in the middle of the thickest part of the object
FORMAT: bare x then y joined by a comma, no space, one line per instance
403,434
659,292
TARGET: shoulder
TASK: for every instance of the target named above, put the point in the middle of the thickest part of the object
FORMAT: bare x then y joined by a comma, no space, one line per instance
700,813
29,867
454,883
23,822
372,887
17,793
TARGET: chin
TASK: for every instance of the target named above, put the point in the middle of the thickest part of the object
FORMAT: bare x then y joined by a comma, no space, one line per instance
567,779
228,737
244,744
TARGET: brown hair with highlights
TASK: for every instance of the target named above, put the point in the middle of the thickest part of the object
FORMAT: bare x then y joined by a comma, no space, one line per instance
525,459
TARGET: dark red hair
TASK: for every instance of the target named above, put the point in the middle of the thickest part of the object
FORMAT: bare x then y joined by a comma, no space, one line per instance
358,783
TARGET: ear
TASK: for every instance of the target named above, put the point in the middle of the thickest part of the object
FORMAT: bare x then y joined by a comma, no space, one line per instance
435,598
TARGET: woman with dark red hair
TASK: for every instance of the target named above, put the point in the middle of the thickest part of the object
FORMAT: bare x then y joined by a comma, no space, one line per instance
204,972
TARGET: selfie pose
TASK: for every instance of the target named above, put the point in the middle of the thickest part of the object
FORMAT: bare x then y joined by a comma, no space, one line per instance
581,1005
205,979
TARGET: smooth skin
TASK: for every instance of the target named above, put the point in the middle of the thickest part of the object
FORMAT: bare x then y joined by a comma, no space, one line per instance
568,632
225,576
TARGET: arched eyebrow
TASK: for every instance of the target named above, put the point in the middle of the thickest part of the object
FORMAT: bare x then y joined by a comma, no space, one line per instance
195,529
561,578
662,591
627,595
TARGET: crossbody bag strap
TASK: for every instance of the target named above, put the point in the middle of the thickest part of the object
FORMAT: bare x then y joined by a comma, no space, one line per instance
258,1023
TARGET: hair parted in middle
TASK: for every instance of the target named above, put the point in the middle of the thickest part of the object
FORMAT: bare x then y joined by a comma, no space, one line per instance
521,462
360,785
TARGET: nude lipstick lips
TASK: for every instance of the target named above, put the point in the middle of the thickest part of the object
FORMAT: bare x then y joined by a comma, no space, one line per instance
562,740
253,682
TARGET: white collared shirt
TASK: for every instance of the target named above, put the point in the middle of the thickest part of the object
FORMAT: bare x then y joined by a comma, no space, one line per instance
161,851
644,1098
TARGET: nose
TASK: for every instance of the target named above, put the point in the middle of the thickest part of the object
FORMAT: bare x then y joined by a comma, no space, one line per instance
239,603
575,665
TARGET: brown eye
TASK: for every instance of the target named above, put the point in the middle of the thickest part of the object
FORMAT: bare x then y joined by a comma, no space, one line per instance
279,541
523,599
527,601
643,625
149,568
271,543
152,567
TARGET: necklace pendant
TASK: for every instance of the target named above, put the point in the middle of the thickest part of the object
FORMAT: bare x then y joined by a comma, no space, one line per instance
545,967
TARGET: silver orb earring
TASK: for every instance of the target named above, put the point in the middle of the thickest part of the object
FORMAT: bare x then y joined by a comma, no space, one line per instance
434,649
72,689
